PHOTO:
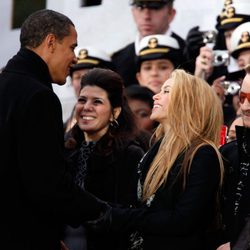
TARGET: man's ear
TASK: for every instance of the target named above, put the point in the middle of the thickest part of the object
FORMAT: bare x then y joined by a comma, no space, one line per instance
171,15
50,42
138,76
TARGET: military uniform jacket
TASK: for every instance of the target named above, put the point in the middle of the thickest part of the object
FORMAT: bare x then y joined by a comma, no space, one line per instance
37,193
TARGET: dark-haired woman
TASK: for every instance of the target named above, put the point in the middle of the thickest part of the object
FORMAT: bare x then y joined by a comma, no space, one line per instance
102,147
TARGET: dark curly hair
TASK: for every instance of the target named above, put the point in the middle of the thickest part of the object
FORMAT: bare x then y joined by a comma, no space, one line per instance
117,136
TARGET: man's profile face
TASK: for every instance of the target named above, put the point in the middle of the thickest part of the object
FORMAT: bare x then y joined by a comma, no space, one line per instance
63,57
243,58
245,103
153,21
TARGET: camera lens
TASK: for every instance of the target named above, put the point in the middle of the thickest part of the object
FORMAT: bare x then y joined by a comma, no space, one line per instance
221,57
230,87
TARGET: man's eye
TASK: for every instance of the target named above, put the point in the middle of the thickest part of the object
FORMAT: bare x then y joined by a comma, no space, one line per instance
164,67
147,68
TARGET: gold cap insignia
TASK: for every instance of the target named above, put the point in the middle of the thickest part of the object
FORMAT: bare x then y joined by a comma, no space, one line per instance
152,43
83,53
228,2
245,37
230,12
244,42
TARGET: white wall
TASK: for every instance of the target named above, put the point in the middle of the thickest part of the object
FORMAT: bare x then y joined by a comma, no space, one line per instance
109,27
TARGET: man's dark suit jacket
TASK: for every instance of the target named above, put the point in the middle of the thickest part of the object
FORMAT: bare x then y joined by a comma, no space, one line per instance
37,192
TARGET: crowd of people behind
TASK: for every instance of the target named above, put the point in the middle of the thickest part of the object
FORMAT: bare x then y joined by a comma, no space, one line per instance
156,152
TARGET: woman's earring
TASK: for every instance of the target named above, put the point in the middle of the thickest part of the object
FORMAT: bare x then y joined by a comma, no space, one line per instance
114,124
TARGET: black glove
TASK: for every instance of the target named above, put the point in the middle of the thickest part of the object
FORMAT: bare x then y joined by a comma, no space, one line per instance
103,222
194,42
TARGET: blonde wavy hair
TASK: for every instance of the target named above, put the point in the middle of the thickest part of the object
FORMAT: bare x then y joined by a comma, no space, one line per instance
194,119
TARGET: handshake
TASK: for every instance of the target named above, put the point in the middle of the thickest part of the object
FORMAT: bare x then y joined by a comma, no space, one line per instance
103,222
117,218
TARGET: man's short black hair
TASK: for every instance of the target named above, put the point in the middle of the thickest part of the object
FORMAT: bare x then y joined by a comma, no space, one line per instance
41,23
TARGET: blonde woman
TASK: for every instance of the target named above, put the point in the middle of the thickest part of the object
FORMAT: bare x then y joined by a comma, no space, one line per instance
181,175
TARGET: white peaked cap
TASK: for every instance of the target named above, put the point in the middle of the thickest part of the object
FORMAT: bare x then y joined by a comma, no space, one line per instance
94,52
162,40
238,42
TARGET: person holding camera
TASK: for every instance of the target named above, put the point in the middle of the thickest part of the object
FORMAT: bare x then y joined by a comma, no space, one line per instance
240,51
214,60
240,44
215,63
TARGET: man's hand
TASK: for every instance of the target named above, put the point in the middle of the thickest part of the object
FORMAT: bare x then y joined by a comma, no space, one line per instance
204,63
194,41
218,88
224,247
63,246
103,222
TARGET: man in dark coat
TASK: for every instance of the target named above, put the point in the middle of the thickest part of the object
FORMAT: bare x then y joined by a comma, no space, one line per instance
37,191
236,191
151,17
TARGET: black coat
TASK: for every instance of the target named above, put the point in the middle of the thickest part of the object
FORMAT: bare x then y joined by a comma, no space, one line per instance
37,193
124,61
233,155
176,219
113,178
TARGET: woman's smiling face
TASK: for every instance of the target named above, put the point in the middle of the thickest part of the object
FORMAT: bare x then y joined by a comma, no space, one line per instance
161,101
93,111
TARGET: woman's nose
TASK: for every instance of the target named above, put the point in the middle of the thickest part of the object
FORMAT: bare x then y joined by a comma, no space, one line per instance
156,96
87,106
